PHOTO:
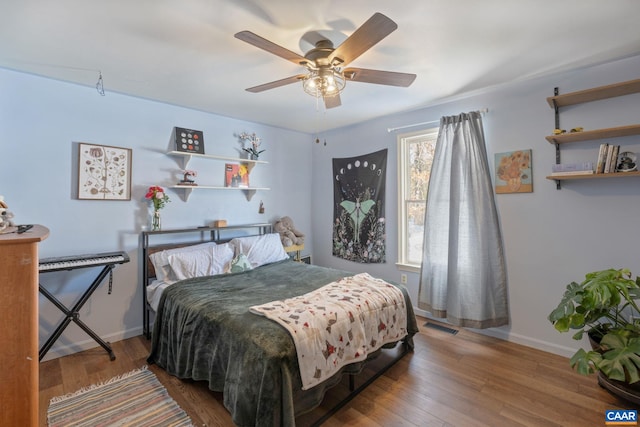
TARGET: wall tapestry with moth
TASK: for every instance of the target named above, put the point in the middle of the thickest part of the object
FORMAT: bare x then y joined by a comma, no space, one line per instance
358,207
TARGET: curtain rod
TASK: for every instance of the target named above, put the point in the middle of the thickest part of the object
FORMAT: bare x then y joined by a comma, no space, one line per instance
432,122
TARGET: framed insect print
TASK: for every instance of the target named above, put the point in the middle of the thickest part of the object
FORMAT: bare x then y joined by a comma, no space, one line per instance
104,172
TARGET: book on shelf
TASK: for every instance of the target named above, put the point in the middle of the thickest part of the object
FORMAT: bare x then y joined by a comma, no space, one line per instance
236,175
572,167
614,159
611,160
607,161
602,156
569,173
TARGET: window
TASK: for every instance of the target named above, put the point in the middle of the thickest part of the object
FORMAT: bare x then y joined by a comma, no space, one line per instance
415,156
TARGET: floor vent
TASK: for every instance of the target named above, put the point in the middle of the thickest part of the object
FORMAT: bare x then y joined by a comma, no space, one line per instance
441,328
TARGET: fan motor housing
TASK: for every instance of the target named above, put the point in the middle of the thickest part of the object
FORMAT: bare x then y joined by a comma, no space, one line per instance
320,54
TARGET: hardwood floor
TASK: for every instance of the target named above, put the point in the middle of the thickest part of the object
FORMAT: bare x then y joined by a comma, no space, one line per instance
449,380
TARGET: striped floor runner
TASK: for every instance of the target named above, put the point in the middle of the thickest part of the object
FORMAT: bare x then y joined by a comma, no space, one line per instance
134,399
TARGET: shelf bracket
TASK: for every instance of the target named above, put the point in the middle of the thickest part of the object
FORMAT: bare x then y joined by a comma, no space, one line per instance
556,110
558,185
184,161
187,193
556,92
249,165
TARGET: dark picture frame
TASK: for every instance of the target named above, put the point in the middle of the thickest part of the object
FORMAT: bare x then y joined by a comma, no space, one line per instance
188,140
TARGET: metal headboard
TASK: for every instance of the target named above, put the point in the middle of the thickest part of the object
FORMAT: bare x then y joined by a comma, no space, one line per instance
185,237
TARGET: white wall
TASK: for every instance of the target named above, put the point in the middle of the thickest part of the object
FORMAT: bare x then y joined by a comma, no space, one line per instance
41,121
551,237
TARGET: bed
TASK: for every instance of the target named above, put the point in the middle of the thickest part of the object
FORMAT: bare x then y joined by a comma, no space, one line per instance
207,327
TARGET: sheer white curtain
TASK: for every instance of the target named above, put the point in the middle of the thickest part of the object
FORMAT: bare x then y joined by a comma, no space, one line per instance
463,274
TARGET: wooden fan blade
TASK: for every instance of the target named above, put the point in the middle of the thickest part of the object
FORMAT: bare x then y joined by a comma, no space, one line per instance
371,32
262,43
389,78
275,84
332,101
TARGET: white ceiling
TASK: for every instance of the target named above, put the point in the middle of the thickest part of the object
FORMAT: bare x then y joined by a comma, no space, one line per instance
183,52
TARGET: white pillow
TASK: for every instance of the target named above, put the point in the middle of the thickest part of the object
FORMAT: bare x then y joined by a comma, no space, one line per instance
204,262
260,250
222,257
160,260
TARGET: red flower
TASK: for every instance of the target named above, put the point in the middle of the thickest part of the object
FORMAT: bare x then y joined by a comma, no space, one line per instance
157,195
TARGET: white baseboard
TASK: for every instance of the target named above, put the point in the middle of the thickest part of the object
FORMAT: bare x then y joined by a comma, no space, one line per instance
511,337
528,341
64,350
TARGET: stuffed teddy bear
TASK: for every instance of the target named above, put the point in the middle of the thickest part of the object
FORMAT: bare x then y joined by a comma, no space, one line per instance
288,233
5,216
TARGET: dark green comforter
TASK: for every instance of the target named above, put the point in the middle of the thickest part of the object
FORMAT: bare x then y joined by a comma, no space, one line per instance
204,331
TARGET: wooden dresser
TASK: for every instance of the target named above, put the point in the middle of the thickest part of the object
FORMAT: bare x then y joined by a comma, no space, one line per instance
19,327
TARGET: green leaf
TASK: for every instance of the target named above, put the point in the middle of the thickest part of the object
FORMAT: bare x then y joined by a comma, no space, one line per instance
577,321
622,360
578,335
562,325
584,362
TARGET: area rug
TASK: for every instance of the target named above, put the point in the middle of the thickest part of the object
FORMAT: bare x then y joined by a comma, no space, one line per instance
133,399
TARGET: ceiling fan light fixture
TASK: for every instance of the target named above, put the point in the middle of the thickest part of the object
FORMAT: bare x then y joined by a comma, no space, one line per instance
324,82
326,76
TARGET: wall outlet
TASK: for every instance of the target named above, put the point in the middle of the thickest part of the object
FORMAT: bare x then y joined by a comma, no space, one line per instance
403,279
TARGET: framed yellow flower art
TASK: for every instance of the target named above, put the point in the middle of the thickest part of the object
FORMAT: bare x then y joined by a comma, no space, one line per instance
513,172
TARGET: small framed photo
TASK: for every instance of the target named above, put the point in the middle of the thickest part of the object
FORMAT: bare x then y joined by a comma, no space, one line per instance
513,172
104,172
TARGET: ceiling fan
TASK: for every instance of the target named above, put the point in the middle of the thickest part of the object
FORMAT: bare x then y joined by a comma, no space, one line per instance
326,76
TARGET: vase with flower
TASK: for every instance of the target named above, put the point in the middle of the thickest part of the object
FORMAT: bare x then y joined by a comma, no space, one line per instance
159,199
254,150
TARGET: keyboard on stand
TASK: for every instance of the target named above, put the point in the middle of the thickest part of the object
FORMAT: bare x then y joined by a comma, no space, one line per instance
81,261
106,259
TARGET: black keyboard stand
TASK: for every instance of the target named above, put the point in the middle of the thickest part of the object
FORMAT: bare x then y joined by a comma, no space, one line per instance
74,315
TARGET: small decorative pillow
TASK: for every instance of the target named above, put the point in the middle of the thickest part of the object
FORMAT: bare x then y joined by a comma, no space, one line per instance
239,264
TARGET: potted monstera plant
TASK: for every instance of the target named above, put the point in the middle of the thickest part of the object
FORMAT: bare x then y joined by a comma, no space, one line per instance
605,306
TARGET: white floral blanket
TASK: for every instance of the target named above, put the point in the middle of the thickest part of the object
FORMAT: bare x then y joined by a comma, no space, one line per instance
340,323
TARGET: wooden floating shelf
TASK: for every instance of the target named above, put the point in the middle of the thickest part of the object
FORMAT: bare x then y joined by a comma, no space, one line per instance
595,94
593,176
594,134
